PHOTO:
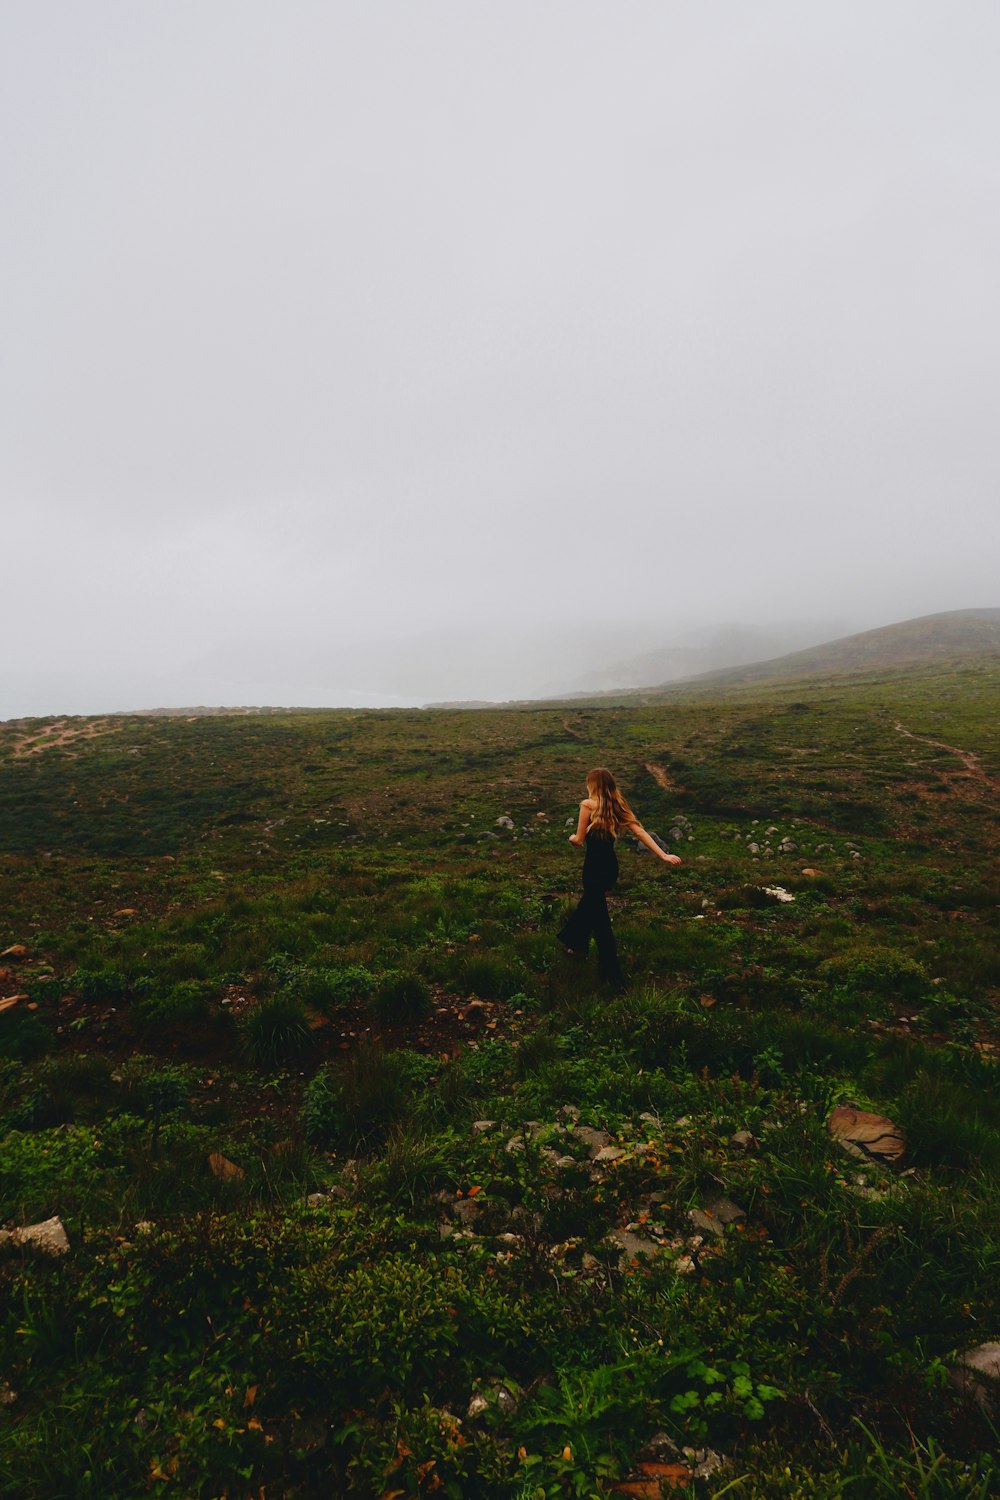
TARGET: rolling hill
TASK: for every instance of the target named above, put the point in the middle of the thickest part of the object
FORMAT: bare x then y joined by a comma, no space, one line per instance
925,641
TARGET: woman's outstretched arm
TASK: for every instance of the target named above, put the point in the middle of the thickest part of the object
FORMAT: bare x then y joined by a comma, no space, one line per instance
650,843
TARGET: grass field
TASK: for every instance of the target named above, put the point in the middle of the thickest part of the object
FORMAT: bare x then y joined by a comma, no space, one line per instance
371,1191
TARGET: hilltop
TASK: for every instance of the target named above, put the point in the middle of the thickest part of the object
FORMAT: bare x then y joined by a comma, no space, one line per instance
925,641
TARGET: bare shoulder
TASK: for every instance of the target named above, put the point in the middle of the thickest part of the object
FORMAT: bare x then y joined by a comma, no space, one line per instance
589,803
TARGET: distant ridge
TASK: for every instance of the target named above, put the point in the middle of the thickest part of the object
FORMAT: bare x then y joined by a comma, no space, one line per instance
911,643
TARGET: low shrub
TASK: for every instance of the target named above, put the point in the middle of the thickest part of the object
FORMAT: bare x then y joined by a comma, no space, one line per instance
178,1005
274,1030
402,996
356,1103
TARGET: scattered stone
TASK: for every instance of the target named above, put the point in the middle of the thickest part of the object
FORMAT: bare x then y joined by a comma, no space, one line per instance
15,951
480,1127
978,1373
466,1210
128,911
870,1137
811,872
7,1396
778,892
505,822
788,847
11,1001
503,1396
716,1212
705,1460
743,1139
49,1236
753,848
594,1140
632,1246
220,1166
768,831
609,1154
567,1112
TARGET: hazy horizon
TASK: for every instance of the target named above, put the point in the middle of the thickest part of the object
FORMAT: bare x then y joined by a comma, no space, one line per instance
440,353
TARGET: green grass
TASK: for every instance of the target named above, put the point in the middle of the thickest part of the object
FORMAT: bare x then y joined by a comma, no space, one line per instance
260,937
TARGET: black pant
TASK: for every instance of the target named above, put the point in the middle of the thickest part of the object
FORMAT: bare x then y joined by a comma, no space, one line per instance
591,919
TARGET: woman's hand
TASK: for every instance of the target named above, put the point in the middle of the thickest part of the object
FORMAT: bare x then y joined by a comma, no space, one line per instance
671,859
575,838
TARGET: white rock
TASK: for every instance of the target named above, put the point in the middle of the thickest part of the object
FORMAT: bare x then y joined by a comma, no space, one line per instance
49,1236
978,1372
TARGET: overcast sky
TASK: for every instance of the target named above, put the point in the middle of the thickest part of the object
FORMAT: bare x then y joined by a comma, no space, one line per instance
423,350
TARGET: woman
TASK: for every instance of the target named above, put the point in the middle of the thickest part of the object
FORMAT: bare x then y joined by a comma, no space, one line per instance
603,814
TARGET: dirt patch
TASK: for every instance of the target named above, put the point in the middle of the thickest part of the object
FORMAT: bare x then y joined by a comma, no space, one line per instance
61,733
659,775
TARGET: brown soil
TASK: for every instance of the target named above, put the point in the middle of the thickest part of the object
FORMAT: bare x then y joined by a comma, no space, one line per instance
61,733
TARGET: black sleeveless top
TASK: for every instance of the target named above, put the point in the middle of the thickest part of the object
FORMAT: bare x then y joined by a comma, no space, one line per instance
600,863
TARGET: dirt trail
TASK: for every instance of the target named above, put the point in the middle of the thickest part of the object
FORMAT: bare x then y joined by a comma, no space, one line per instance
60,733
658,774
968,758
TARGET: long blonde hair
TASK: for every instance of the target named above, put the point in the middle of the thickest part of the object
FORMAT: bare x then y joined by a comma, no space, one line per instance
612,812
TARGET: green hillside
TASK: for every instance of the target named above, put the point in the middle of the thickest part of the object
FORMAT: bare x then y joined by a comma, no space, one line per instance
935,641
370,1190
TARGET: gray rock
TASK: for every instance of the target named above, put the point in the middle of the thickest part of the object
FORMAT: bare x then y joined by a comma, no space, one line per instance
480,1127
609,1154
632,1246
505,822
704,1461
716,1212
743,1139
978,1373
7,1395
504,1396
753,848
594,1140
49,1236
661,1449
466,1210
